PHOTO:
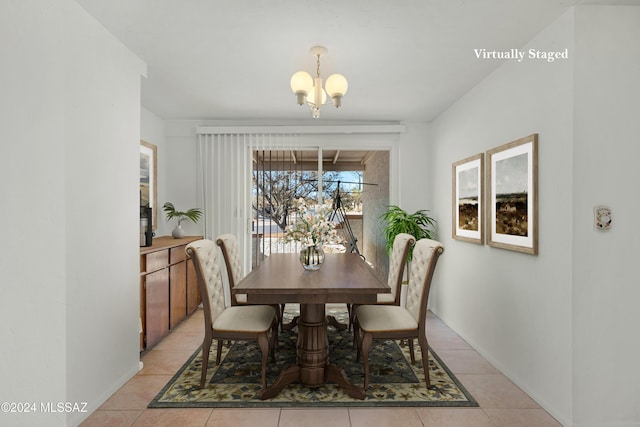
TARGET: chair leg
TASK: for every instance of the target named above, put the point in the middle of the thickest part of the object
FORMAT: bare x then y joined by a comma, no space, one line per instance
219,352
274,340
278,314
263,342
278,323
356,338
206,346
367,339
411,352
424,349
282,317
352,315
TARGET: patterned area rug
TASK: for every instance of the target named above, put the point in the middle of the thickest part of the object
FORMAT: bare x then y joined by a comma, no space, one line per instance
235,382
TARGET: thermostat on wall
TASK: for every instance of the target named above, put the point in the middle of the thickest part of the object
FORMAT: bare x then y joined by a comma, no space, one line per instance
603,218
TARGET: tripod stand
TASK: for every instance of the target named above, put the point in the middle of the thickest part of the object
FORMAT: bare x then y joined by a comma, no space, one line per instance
340,217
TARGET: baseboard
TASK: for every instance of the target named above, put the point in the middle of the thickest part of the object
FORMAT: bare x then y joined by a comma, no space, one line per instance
76,418
514,378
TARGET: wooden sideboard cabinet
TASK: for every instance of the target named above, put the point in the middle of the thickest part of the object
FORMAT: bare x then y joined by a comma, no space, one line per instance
168,287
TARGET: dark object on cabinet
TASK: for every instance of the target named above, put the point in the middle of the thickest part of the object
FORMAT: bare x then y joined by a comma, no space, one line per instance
146,226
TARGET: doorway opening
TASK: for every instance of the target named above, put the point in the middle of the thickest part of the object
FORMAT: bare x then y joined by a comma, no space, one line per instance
358,180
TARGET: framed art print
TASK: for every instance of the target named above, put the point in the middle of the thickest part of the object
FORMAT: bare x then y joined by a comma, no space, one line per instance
512,202
468,199
148,179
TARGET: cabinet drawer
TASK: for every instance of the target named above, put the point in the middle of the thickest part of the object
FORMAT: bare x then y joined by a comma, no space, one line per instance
157,260
177,254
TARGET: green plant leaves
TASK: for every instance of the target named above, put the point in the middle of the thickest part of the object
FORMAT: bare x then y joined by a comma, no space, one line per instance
419,225
192,215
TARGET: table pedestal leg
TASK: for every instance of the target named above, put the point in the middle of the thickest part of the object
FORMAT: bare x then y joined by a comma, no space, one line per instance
313,368
313,347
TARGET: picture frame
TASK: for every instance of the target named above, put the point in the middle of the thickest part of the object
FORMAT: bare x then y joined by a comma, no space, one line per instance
512,202
468,199
149,178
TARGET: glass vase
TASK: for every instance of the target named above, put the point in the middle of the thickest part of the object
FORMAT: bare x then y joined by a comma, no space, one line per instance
312,257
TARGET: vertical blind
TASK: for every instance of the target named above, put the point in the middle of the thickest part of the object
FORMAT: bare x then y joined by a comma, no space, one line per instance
224,171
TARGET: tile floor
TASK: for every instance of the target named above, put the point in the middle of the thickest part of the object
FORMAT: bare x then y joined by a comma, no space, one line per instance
501,402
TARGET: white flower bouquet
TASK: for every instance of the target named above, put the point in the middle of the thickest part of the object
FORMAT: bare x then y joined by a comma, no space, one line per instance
312,227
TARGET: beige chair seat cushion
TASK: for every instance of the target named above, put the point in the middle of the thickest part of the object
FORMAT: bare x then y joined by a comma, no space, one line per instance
386,299
376,318
249,318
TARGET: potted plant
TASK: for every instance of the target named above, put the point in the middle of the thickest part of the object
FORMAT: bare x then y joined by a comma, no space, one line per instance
419,225
192,215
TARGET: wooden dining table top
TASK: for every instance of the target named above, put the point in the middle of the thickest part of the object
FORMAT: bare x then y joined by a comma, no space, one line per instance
343,278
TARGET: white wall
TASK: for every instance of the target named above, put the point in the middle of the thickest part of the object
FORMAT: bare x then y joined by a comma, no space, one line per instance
180,174
415,160
32,316
70,136
102,133
514,308
606,289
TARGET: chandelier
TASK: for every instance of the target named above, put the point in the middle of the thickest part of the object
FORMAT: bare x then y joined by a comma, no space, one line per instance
309,90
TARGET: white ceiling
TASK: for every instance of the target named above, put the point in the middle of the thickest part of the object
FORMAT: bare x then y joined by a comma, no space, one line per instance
232,59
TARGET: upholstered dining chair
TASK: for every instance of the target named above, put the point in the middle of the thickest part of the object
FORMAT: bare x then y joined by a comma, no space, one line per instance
402,244
231,253
395,322
228,244
237,323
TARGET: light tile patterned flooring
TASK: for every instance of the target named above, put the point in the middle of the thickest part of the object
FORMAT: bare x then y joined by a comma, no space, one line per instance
501,402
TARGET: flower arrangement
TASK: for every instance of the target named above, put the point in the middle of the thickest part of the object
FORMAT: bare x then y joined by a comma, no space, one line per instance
312,227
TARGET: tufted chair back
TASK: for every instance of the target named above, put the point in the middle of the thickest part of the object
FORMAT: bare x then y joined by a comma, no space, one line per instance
425,256
231,252
204,254
397,262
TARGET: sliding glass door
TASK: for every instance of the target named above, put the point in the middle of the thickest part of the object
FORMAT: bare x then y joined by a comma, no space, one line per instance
280,177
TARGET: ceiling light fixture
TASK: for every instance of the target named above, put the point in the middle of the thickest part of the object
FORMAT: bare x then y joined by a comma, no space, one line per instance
309,90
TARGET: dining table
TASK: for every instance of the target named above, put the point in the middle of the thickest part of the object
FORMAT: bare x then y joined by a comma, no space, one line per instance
342,278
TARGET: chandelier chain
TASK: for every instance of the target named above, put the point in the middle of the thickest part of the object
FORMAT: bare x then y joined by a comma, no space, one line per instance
318,66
